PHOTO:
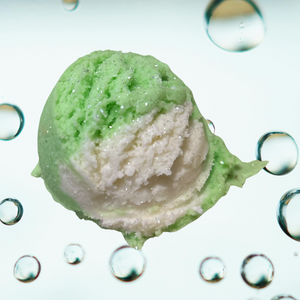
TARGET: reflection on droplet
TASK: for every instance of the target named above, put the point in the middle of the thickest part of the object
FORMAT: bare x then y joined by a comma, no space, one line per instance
27,268
74,254
212,269
70,5
211,126
11,211
11,121
257,271
235,25
288,212
280,149
127,264
283,297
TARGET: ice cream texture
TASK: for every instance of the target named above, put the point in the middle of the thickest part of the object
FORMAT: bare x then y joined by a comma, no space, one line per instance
121,142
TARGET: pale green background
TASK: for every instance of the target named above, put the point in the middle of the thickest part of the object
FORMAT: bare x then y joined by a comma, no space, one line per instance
245,94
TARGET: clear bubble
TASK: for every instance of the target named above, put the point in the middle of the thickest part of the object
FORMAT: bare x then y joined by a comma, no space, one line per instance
11,121
257,271
127,264
280,149
70,5
288,212
211,126
11,211
283,297
27,269
234,25
74,254
212,269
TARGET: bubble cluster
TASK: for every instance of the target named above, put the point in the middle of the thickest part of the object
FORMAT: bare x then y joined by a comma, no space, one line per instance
235,25
127,264
257,271
11,121
280,150
70,5
27,269
74,254
288,212
11,211
212,269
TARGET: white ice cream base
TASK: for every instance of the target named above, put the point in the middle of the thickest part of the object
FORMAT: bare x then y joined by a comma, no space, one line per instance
145,176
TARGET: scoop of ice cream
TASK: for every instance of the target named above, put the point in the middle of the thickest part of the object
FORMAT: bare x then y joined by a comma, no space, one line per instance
121,142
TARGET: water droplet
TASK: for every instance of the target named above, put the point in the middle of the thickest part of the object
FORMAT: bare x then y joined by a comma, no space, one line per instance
74,254
27,268
11,121
127,264
280,149
257,271
283,297
225,24
70,5
11,211
288,212
296,253
211,126
212,269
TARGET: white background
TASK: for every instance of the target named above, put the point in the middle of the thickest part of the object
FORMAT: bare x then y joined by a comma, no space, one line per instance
245,94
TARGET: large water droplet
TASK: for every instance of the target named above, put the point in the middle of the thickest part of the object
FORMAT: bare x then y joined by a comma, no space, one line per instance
288,213
280,149
211,126
235,25
283,297
212,269
11,211
11,121
127,264
74,254
27,268
70,5
257,271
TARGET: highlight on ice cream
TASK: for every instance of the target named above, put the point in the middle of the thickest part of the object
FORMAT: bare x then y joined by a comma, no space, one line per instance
121,142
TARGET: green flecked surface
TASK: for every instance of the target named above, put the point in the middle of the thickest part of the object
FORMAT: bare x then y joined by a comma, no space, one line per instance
105,90
100,92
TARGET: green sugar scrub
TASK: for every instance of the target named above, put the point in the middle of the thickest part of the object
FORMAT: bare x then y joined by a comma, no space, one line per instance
121,142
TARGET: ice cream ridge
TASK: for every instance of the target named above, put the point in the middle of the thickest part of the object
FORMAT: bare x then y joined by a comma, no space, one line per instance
121,142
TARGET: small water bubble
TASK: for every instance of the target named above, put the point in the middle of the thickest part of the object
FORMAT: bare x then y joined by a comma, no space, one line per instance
283,297
280,149
257,271
11,211
27,269
11,121
70,5
212,269
127,264
224,20
296,253
288,212
211,126
74,254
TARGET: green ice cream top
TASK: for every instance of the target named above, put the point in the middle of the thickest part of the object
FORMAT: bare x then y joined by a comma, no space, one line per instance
100,92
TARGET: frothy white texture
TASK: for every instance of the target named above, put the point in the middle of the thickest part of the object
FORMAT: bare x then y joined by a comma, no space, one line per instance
145,176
